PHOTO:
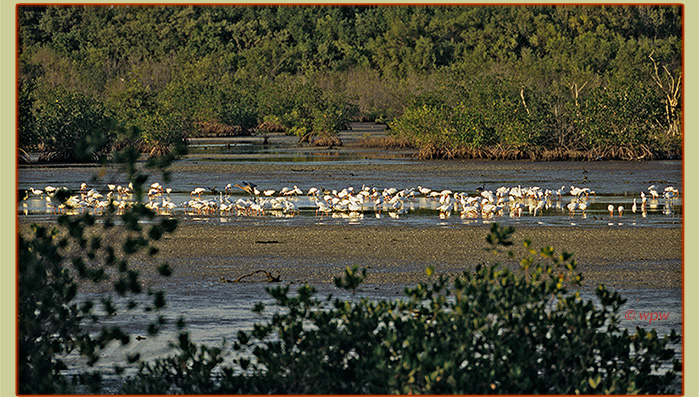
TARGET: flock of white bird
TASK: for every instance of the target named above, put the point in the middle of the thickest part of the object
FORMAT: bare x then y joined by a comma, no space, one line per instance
513,201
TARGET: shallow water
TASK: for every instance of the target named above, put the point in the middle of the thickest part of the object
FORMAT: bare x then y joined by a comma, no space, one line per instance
615,183
418,212
216,311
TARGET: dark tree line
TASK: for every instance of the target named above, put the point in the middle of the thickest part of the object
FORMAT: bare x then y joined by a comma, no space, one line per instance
527,78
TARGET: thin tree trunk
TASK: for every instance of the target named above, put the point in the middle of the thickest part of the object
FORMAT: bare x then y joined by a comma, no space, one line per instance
671,89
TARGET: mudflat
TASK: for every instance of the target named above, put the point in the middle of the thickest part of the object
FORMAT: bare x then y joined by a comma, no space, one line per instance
620,257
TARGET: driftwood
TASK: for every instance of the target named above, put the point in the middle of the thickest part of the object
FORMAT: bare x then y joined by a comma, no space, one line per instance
270,277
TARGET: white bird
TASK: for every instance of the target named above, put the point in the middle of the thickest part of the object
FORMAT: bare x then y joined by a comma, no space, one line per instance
378,203
290,207
559,192
354,206
540,204
277,204
167,204
446,207
516,209
671,192
243,205
340,206
488,208
653,192
583,206
390,191
152,206
445,199
423,190
610,208
633,207
257,209
198,191
397,204
488,195
621,210
322,207
101,205
94,194
225,208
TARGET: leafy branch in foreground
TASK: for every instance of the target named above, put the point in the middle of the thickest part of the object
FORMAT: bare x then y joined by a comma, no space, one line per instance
491,330
56,262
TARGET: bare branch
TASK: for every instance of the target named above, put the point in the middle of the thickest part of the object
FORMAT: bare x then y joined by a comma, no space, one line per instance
576,91
655,76
521,94
671,89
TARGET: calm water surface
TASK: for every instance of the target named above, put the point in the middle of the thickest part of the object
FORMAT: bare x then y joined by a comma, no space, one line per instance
285,166
216,311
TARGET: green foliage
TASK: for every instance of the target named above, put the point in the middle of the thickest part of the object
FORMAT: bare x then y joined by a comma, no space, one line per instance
444,126
527,77
208,97
501,109
70,126
303,108
628,116
190,372
350,280
27,136
490,330
54,261
163,124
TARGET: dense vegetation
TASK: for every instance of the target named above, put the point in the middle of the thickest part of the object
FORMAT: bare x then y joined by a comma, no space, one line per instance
491,81
492,330
56,262
502,328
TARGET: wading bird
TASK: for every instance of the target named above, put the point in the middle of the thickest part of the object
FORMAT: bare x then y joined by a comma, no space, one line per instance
198,191
249,188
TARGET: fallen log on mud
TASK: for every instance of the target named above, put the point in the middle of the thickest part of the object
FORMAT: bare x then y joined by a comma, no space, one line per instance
270,277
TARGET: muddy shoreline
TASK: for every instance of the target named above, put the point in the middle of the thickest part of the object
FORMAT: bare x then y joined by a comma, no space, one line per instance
625,258
619,257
